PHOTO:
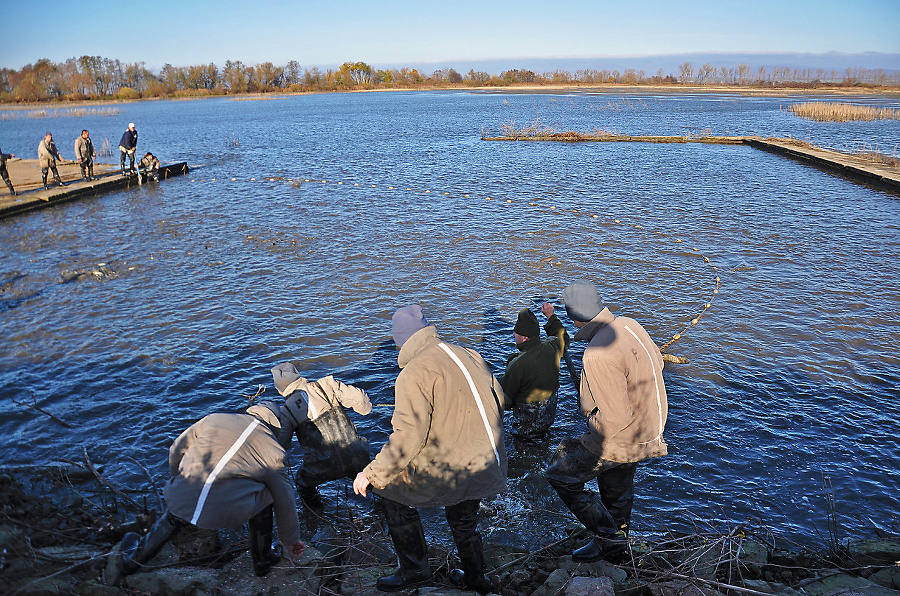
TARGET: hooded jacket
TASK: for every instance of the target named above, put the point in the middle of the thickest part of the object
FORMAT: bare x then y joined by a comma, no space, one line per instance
84,149
447,441
47,154
622,391
321,395
226,468
532,375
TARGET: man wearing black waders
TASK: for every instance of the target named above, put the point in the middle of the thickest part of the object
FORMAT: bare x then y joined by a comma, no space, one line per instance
227,470
624,398
531,380
332,448
445,450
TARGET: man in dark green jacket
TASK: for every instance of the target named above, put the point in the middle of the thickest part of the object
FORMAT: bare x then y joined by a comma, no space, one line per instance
531,380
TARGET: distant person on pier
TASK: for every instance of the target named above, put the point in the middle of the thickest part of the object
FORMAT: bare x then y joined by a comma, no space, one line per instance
332,448
531,380
4,174
128,146
85,154
227,470
47,156
150,166
624,398
445,450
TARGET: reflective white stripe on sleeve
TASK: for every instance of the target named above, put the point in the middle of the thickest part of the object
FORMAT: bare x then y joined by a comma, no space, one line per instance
212,475
655,380
474,389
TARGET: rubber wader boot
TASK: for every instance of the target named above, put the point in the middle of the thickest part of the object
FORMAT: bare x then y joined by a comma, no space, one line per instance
412,553
134,550
263,553
44,177
471,576
311,497
609,549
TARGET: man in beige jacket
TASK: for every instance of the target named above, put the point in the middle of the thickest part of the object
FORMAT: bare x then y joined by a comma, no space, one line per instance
332,447
446,450
624,398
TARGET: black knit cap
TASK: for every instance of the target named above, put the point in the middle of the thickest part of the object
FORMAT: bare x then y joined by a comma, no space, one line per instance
527,324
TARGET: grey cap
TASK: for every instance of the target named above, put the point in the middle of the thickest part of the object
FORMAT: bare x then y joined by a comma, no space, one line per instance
405,322
582,301
283,375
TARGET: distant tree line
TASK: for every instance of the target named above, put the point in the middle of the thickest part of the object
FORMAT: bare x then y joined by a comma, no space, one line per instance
95,77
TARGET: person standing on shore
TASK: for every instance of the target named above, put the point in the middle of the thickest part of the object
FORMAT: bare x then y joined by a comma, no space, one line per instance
128,146
85,154
445,450
227,470
47,156
531,380
624,398
4,174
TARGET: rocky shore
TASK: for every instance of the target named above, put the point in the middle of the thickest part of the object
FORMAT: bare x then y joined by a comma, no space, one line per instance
59,523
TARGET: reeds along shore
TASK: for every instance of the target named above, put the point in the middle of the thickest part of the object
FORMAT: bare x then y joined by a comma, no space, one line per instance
841,112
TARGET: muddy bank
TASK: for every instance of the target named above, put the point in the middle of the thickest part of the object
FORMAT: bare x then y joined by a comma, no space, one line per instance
58,524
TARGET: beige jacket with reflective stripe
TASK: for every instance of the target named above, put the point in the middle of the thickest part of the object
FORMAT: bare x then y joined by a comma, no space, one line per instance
622,391
440,452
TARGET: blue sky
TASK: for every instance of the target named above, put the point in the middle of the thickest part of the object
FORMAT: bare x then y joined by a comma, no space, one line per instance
396,33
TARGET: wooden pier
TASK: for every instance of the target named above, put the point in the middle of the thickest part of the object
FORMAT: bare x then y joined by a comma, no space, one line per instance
25,176
852,167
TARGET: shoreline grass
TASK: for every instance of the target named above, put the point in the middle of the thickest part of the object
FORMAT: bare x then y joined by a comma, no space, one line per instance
826,111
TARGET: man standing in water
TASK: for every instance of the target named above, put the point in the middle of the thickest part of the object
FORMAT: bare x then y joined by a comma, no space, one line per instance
531,380
446,450
332,448
624,398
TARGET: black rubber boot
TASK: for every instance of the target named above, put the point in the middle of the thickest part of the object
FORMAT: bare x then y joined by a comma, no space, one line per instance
150,545
263,553
134,550
609,549
463,521
311,497
44,177
408,536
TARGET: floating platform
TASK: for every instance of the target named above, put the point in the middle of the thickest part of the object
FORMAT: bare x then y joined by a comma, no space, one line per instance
25,175
852,167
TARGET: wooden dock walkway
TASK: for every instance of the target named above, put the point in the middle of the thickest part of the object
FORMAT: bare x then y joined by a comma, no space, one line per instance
853,167
26,178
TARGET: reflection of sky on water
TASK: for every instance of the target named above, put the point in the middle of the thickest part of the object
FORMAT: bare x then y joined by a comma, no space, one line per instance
213,279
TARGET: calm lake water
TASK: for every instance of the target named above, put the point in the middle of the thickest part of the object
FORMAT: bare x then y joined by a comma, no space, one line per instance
308,220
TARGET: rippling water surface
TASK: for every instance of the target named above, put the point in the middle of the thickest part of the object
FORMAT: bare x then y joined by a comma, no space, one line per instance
308,220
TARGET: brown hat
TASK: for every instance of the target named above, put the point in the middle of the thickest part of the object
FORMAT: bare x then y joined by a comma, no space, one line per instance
527,324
